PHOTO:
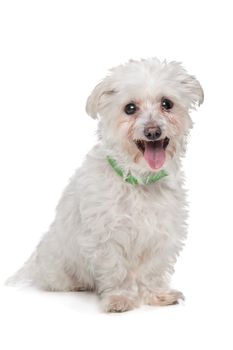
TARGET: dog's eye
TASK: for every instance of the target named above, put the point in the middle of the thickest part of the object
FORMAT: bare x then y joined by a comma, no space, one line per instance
166,104
130,108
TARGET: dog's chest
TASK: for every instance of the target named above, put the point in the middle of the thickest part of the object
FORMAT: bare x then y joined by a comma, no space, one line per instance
131,218
141,218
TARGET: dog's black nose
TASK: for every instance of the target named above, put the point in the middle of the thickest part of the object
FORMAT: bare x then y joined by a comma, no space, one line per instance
152,133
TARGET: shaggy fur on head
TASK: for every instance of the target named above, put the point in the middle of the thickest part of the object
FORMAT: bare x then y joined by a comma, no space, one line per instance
118,239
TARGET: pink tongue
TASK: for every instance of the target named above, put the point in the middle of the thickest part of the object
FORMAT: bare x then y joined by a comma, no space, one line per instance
155,156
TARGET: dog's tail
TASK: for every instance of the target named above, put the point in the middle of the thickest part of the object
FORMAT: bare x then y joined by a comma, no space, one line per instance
23,276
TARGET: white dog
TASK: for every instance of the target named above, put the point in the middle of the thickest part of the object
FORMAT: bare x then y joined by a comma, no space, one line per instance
120,223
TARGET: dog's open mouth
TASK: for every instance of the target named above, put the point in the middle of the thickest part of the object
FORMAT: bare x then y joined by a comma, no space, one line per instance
153,151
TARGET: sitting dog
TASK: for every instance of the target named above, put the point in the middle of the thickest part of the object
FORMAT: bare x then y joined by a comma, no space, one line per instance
121,221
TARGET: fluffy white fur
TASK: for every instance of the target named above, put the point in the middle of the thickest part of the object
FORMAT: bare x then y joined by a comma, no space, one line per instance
120,240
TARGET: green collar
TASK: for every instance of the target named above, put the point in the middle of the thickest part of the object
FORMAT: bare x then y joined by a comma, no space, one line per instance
151,178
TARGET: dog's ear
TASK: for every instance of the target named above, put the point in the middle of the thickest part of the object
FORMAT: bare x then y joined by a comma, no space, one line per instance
191,88
99,98
194,90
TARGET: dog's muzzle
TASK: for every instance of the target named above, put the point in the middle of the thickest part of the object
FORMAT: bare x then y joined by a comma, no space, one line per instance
153,151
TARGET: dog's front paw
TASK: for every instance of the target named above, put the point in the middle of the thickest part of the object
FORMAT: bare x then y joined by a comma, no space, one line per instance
163,297
119,303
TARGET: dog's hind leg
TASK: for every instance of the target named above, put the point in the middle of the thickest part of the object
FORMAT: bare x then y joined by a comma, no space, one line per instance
45,275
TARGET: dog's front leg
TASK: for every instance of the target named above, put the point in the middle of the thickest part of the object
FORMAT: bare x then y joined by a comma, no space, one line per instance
114,282
155,290
161,296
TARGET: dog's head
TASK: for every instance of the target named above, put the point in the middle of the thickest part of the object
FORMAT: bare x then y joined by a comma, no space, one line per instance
144,109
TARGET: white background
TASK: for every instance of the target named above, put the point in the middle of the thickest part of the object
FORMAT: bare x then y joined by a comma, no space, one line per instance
52,55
